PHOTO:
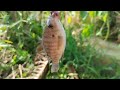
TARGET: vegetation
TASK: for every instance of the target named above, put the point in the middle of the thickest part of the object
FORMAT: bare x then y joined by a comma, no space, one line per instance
21,31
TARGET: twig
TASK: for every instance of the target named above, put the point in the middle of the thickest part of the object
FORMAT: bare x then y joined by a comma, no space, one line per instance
13,72
10,75
41,69
72,72
108,31
20,69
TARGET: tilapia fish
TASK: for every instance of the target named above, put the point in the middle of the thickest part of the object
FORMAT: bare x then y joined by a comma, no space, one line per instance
54,42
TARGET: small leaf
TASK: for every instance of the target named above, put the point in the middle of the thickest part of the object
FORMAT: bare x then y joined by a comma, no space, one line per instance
33,35
100,13
105,17
69,20
7,41
14,59
1,48
24,74
99,33
21,45
20,13
3,27
92,13
86,31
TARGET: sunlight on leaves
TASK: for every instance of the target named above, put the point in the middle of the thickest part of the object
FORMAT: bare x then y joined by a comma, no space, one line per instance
92,13
3,27
86,31
100,13
69,20
105,17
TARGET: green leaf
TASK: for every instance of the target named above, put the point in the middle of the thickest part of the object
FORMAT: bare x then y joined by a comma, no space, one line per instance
3,27
105,17
86,31
33,35
100,13
99,33
83,14
8,41
1,48
20,13
93,70
14,59
14,24
24,74
92,13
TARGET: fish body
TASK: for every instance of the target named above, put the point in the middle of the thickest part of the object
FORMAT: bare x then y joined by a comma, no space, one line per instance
54,41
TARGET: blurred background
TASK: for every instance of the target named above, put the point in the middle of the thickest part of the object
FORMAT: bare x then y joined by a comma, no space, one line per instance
92,50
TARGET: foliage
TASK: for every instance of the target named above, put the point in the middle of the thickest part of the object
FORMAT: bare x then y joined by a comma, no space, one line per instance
20,32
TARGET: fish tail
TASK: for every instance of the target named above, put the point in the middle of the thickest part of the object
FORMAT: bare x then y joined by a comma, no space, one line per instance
54,68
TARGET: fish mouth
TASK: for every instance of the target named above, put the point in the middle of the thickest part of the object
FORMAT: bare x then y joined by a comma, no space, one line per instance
49,23
50,26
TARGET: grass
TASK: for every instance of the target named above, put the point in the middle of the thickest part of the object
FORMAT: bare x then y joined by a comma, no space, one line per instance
83,59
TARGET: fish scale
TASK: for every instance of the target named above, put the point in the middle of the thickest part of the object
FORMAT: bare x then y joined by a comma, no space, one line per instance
50,43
